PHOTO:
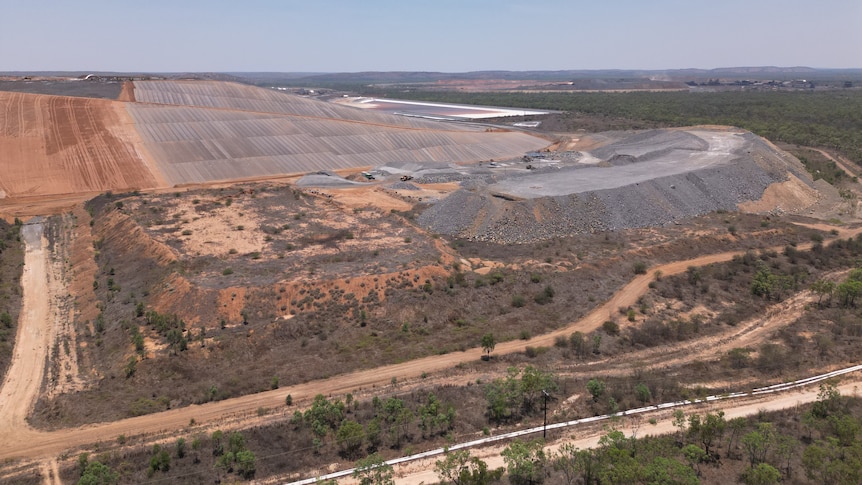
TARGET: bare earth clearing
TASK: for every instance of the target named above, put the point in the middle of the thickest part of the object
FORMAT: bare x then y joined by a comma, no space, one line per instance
68,145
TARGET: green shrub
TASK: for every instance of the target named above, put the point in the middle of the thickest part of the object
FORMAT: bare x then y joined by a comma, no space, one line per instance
533,352
545,296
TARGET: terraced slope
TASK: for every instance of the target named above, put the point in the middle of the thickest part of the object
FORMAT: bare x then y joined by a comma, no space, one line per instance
180,132
206,131
58,145
239,97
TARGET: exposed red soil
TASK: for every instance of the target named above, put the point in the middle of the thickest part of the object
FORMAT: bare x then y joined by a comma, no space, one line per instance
52,145
128,92
84,264
127,233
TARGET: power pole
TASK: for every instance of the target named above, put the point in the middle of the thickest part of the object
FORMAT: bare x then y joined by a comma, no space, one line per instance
545,405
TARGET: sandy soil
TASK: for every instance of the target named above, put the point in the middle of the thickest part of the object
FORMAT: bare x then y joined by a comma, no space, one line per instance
42,204
64,375
365,197
128,92
791,196
52,145
21,386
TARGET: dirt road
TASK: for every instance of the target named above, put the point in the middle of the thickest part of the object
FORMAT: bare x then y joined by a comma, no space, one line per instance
842,162
27,443
21,386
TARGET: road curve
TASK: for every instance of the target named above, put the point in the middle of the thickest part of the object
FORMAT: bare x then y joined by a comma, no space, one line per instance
33,444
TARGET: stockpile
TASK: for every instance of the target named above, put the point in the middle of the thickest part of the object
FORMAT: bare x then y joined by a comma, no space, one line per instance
479,215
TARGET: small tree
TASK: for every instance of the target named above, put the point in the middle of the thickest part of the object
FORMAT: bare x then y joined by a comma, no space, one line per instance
578,343
575,464
525,462
373,470
98,474
679,421
449,469
694,455
160,460
218,445
181,447
761,474
707,430
459,468
596,388
849,291
488,344
758,443
350,436
246,464
643,393
822,288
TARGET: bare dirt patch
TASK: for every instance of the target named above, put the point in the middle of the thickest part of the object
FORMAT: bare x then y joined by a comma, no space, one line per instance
53,145
791,196
63,374
24,378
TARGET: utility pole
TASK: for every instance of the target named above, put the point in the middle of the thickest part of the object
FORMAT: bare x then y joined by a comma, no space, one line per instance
545,427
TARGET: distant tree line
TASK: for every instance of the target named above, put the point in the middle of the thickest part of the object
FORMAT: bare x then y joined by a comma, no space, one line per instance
831,119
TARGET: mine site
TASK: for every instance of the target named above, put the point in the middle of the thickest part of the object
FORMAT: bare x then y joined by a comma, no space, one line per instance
211,281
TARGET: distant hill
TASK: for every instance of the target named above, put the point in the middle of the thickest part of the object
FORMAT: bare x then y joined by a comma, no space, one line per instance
403,77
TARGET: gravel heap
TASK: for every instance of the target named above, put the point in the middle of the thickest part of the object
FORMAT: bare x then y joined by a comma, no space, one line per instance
650,144
476,214
404,186
324,179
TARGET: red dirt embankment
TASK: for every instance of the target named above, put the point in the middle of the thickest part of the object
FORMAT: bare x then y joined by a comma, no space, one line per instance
121,231
59,145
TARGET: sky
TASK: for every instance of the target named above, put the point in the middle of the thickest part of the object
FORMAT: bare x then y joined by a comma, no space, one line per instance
425,35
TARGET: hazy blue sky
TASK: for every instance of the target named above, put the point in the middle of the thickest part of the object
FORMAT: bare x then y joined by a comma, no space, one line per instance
425,35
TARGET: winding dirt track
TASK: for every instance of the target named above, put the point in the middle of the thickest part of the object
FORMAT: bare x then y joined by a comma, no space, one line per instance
24,442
